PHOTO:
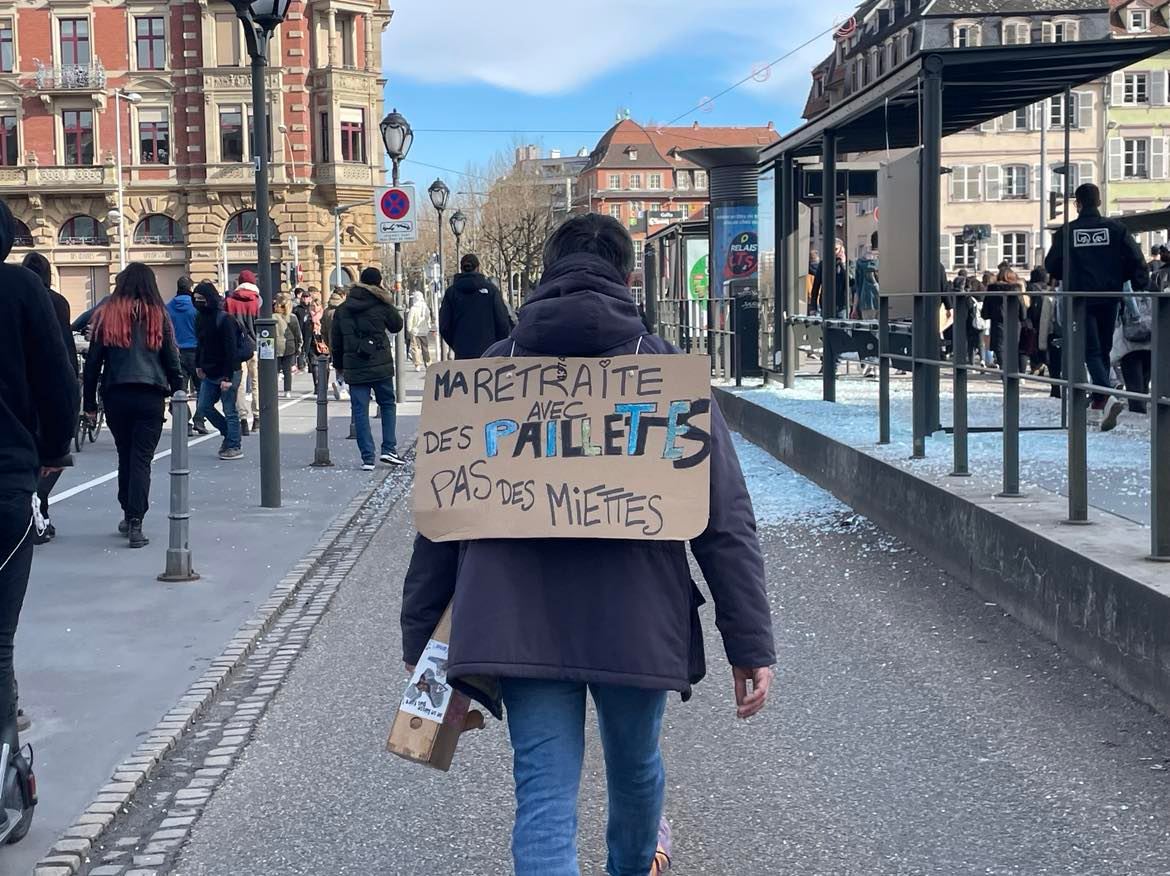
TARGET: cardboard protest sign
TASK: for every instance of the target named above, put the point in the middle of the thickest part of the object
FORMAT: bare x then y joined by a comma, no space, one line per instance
565,448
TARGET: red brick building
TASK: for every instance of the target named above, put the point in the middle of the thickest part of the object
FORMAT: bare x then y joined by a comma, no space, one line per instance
635,172
186,143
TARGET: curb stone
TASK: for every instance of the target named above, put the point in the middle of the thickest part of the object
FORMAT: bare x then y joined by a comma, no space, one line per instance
69,855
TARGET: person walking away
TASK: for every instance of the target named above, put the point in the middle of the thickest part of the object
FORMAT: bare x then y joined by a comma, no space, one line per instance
1105,256
1031,343
867,287
219,361
1132,354
472,316
39,403
627,646
243,303
40,266
316,343
814,265
842,268
132,354
363,355
181,310
419,326
336,298
993,312
301,310
288,340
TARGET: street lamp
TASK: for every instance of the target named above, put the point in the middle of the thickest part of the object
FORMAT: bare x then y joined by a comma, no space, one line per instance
398,137
261,18
131,97
439,194
458,226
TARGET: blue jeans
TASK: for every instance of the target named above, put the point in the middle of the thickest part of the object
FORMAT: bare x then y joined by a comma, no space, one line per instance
359,403
546,720
228,423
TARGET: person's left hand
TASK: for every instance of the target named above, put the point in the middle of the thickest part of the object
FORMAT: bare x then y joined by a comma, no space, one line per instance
750,703
47,470
225,385
91,417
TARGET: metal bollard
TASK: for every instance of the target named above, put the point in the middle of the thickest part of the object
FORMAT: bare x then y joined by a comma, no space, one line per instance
321,452
179,566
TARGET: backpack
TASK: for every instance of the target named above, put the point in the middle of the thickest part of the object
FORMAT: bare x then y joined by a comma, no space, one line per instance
245,343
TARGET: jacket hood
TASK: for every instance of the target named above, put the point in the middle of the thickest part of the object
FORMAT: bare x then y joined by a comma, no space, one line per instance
335,299
469,283
214,302
182,304
364,297
417,299
582,307
246,292
7,231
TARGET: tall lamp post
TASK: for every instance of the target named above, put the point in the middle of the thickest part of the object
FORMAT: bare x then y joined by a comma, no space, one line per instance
131,97
398,137
261,18
458,226
439,194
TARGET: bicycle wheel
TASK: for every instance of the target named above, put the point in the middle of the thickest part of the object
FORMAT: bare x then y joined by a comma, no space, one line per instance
96,429
79,434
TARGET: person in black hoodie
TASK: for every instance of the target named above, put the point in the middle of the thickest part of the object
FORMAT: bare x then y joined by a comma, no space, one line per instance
40,266
132,353
217,364
472,316
38,417
551,618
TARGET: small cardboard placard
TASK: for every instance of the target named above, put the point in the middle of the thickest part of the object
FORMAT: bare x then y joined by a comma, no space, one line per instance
565,448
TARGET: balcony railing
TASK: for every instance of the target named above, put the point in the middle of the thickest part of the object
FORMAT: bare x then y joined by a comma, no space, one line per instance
71,77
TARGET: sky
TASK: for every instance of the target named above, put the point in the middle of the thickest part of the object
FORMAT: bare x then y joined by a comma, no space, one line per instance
476,78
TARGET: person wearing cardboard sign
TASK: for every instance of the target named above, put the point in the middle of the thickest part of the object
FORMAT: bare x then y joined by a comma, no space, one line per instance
552,619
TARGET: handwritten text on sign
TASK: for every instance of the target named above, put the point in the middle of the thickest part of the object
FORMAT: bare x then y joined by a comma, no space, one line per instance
565,448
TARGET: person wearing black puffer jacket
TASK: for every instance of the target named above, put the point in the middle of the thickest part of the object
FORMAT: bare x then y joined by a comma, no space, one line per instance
552,618
38,417
472,316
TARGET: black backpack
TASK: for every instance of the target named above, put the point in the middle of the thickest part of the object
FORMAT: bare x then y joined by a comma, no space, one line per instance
245,343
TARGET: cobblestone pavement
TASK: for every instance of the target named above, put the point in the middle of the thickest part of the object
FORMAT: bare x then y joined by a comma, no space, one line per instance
915,729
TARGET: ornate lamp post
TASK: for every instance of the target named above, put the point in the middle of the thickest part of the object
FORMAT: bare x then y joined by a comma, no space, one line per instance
439,195
458,226
261,18
398,137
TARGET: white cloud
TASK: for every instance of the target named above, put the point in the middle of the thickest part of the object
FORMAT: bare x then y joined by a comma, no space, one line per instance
541,48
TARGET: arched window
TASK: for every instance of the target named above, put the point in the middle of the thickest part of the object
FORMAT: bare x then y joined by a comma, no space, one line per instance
241,228
23,236
159,230
82,231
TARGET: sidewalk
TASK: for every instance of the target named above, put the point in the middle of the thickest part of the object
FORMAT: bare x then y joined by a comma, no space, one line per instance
914,729
104,649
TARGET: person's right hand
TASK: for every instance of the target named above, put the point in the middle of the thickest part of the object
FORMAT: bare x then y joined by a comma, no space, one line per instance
199,373
751,703
225,385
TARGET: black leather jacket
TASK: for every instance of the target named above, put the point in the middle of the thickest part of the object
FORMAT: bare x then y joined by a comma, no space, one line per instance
135,365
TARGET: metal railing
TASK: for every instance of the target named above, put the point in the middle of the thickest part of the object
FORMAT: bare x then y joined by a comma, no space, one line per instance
80,77
704,326
926,365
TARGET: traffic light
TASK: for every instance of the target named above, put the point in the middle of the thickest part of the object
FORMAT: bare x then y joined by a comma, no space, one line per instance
1055,208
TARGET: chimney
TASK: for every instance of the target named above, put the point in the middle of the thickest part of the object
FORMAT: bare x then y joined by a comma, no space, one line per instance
554,153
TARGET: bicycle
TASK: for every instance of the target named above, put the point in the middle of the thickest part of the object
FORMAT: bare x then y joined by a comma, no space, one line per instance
87,431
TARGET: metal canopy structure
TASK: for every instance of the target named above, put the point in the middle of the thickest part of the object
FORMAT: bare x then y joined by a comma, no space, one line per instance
979,84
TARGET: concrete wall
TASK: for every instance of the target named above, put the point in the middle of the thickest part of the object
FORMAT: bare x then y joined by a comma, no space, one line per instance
1071,585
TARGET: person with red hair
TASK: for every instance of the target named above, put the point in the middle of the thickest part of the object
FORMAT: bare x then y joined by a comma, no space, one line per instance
132,353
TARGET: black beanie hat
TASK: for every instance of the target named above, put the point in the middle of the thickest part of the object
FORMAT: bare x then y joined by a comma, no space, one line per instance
372,277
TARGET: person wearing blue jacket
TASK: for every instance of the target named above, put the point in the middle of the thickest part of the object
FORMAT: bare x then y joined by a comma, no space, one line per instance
181,310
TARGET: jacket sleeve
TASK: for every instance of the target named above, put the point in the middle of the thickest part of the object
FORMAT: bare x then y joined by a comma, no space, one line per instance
61,308
394,320
447,317
169,356
336,347
1134,267
227,340
52,379
817,281
729,554
429,587
1054,261
502,320
95,360
298,339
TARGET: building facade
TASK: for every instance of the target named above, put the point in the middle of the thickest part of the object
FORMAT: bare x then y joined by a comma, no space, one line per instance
1002,174
556,172
186,130
639,175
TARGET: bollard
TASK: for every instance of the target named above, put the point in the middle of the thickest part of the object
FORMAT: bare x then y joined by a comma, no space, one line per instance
179,548
321,453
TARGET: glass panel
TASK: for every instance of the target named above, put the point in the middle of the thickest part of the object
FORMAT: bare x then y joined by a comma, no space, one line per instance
231,134
7,53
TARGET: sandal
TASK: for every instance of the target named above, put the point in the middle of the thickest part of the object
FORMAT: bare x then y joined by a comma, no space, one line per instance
662,860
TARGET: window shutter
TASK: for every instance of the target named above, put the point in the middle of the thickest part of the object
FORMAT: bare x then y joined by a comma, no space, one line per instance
1007,122
1037,114
945,252
990,253
1158,157
993,182
1037,179
1084,106
953,188
988,127
1084,172
1117,89
1159,90
1047,32
1116,158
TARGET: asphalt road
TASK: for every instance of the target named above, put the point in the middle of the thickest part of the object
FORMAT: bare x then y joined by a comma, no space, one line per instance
104,650
915,730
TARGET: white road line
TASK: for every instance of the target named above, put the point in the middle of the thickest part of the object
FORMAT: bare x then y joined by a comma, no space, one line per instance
109,476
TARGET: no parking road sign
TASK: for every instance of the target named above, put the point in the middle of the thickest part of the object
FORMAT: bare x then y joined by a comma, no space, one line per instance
394,208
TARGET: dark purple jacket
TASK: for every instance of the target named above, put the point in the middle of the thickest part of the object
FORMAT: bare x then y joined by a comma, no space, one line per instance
615,612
